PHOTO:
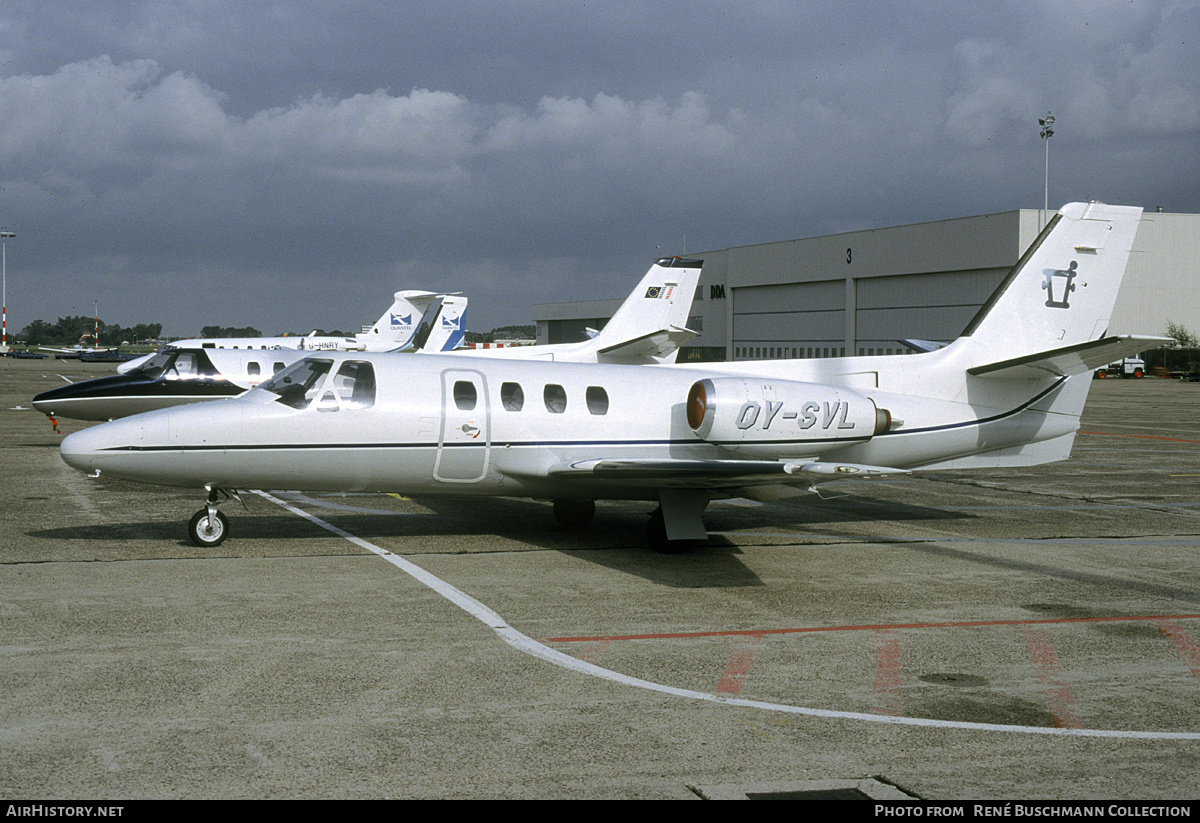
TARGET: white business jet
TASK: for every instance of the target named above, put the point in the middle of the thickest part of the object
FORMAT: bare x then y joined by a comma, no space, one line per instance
1008,392
397,330
175,375
647,328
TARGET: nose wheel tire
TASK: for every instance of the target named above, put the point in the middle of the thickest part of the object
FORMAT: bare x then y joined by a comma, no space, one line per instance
208,531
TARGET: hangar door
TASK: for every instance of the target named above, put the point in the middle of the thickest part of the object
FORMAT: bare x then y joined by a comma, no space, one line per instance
789,320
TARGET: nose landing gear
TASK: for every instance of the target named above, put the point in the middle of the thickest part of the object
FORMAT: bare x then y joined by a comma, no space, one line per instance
208,526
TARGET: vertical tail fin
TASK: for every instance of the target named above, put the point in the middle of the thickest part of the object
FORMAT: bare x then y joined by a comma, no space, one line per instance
1062,291
396,328
657,307
443,326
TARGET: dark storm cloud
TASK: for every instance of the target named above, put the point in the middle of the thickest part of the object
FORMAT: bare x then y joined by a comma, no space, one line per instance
291,164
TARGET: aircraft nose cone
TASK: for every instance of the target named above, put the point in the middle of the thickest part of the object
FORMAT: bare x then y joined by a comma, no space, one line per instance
90,449
47,401
79,450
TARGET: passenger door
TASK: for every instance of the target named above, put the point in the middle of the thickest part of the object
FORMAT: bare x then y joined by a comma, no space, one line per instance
464,443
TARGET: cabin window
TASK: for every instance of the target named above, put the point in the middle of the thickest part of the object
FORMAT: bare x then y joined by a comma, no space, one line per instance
253,369
597,400
464,395
512,397
555,397
276,367
354,384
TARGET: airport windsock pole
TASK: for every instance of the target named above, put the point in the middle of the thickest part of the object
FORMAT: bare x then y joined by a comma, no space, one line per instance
5,234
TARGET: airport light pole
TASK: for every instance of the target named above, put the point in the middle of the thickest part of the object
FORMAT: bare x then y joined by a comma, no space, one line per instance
5,235
1047,125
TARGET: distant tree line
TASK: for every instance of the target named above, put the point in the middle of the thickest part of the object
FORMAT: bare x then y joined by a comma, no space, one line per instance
70,330
502,333
1184,337
230,331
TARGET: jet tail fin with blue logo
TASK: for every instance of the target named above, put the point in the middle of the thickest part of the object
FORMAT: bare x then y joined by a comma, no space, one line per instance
397,328
443,326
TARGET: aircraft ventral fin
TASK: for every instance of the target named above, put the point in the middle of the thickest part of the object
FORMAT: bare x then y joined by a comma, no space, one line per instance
716,473
1077,359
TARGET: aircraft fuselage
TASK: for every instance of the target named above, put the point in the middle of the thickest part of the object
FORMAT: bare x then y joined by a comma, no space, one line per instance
519,428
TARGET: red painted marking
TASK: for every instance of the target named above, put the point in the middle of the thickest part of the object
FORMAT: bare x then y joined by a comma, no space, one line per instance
1184,645
590,652
1141,436
887,674
873,628
734,676
1057,693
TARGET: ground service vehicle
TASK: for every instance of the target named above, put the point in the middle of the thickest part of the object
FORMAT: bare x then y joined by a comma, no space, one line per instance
1128,367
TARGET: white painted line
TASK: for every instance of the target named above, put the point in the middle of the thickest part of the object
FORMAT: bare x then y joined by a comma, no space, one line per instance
531,647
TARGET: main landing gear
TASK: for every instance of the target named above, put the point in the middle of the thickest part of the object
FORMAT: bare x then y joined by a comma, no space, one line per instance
676,525
208,526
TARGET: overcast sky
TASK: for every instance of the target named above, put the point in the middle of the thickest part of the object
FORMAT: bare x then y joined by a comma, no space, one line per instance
289,165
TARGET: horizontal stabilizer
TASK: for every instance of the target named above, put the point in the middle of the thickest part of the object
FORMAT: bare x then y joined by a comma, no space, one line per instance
654,345
921,345
1077,359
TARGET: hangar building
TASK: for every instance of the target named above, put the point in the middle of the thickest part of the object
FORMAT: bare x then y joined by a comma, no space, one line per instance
863,292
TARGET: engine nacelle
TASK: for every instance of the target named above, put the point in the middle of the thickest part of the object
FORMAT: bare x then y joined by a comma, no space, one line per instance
781,418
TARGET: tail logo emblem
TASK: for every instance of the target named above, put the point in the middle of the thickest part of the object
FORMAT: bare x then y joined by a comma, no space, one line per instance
1067,288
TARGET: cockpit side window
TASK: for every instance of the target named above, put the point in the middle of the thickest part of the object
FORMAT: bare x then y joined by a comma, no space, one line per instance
355,384
183,367
297,384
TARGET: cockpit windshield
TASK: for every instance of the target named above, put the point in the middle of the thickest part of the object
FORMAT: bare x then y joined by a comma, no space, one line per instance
173,364
298,386
154,367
